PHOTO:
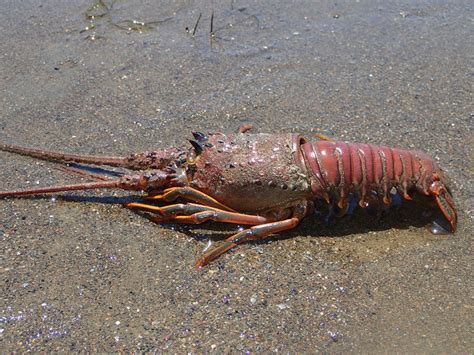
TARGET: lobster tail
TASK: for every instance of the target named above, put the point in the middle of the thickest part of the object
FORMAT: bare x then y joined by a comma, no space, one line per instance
339,169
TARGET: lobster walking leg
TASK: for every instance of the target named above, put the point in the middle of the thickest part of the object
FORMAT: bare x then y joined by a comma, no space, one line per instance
197,214
257,232
189,194
222,216
245,128
324,137
253,233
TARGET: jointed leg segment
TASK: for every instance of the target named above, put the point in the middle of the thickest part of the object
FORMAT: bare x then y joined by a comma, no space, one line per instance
323,137
253,233
190,194
196,214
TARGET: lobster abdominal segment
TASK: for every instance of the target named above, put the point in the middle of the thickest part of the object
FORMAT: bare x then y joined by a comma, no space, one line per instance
339,168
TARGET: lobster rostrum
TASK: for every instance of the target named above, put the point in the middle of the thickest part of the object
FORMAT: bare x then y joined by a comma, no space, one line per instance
266,181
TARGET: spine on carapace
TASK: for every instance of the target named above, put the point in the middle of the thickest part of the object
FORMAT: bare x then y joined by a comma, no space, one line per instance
341,168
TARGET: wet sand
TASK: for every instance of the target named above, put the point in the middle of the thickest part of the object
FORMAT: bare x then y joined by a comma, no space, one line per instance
83,273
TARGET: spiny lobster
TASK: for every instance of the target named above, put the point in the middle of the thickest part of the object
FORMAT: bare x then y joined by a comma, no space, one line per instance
266,181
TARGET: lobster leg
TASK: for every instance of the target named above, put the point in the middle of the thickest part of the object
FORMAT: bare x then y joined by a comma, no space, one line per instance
324,137
245,128
222,216
196,214
254,233
189,194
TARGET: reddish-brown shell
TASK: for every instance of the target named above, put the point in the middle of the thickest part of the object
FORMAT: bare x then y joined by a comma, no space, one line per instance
252,172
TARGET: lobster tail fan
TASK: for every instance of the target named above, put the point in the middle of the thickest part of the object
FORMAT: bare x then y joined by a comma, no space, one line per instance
446,204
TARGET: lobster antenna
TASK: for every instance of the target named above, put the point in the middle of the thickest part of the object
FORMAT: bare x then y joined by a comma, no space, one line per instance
74,187
64,157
